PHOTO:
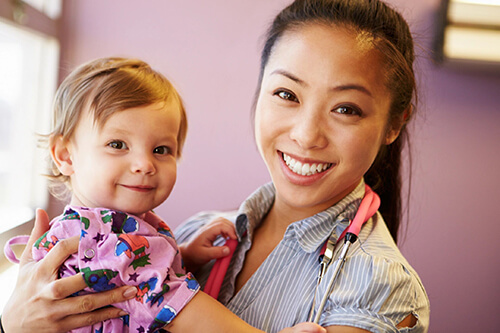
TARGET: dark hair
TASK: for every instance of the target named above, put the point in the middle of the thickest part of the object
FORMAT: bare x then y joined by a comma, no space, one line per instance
391,36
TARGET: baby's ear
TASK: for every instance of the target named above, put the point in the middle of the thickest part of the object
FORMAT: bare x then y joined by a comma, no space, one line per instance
59,150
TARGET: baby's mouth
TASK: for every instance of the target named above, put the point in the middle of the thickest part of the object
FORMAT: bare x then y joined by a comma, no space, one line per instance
304,169
138,188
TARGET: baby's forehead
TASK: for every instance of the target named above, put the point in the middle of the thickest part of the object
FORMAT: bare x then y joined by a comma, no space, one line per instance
100,115
151,120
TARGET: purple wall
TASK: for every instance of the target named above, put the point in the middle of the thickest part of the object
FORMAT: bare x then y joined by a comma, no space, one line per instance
210,52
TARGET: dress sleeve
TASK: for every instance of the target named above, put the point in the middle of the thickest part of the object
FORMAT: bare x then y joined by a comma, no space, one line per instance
123,250
375,294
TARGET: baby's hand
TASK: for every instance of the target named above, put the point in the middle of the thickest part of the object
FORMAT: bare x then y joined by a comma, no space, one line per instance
200,249
305,328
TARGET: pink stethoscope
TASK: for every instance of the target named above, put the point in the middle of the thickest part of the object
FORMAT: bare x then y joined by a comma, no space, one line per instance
368,207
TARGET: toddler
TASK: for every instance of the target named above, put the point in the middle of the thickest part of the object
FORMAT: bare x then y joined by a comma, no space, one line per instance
119,128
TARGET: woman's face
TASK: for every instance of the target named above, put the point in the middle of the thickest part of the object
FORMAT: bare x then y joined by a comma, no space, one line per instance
321,115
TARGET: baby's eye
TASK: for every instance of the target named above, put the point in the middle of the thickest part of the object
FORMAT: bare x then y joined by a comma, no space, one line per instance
348,110
162,150
286,95
117,144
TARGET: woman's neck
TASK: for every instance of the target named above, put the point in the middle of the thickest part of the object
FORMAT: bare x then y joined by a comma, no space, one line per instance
283,212
282,215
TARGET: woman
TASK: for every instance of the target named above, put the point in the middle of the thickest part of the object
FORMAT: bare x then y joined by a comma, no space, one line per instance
334,96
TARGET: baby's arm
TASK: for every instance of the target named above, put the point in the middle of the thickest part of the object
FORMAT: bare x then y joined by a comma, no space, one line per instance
200,249
205,314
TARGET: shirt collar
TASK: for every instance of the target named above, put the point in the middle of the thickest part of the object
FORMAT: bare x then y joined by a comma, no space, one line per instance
254,208
310,232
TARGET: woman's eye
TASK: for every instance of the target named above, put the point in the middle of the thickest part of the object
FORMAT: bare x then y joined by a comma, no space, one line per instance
117,145
349,110
162,150
286,95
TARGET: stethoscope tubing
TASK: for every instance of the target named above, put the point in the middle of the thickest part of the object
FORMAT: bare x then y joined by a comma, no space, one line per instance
339,263
368,207
216,277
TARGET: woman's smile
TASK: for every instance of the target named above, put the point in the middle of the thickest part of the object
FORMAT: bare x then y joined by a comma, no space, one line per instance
305,168
303,172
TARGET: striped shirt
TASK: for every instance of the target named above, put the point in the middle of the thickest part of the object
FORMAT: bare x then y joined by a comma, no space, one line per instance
376,289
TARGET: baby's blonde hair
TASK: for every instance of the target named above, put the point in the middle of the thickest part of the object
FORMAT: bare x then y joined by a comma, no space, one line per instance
103,87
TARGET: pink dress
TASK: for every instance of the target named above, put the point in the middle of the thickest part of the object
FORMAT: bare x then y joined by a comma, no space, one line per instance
118,249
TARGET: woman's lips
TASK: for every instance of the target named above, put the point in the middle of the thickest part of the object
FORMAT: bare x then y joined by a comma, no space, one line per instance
305,172
304,168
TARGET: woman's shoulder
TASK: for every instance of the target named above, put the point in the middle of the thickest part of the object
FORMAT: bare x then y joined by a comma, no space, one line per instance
205,217
187,228
378,283
375,240
377,247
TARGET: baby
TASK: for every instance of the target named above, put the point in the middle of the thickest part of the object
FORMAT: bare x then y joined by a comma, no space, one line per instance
118,130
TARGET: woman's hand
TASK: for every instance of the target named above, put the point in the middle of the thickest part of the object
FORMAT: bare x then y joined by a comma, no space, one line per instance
39,302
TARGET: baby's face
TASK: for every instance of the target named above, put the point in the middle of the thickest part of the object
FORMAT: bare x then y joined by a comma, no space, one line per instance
130,164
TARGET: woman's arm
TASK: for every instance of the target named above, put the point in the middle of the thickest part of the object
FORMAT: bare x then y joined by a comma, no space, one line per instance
205,314
409,322
345,329
38,302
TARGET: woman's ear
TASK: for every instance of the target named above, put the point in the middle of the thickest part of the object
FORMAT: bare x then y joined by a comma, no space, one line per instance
59,150
393,133
397,125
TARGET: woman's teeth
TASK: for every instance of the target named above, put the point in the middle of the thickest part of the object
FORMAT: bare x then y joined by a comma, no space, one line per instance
305,169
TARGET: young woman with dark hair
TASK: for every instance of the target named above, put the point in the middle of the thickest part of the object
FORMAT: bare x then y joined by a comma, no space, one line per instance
335,94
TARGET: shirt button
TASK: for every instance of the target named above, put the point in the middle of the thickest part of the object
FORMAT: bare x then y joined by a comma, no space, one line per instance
89,253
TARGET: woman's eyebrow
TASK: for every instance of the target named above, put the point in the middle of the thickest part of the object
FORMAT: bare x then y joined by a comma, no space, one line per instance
342,87
288,75
353,86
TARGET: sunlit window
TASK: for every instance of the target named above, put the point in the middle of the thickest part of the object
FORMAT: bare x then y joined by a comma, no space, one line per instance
29,53
27,81
52,8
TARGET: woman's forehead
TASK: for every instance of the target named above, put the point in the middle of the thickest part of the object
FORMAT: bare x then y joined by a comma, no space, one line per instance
328,55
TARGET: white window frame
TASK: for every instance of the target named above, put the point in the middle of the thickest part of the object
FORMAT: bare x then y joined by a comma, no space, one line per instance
42,23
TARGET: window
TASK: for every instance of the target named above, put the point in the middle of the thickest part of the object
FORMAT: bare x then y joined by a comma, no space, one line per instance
469,33
27,80
29,50
51,8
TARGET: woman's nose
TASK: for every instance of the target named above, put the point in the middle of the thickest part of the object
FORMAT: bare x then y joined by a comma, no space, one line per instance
308,130
143,163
